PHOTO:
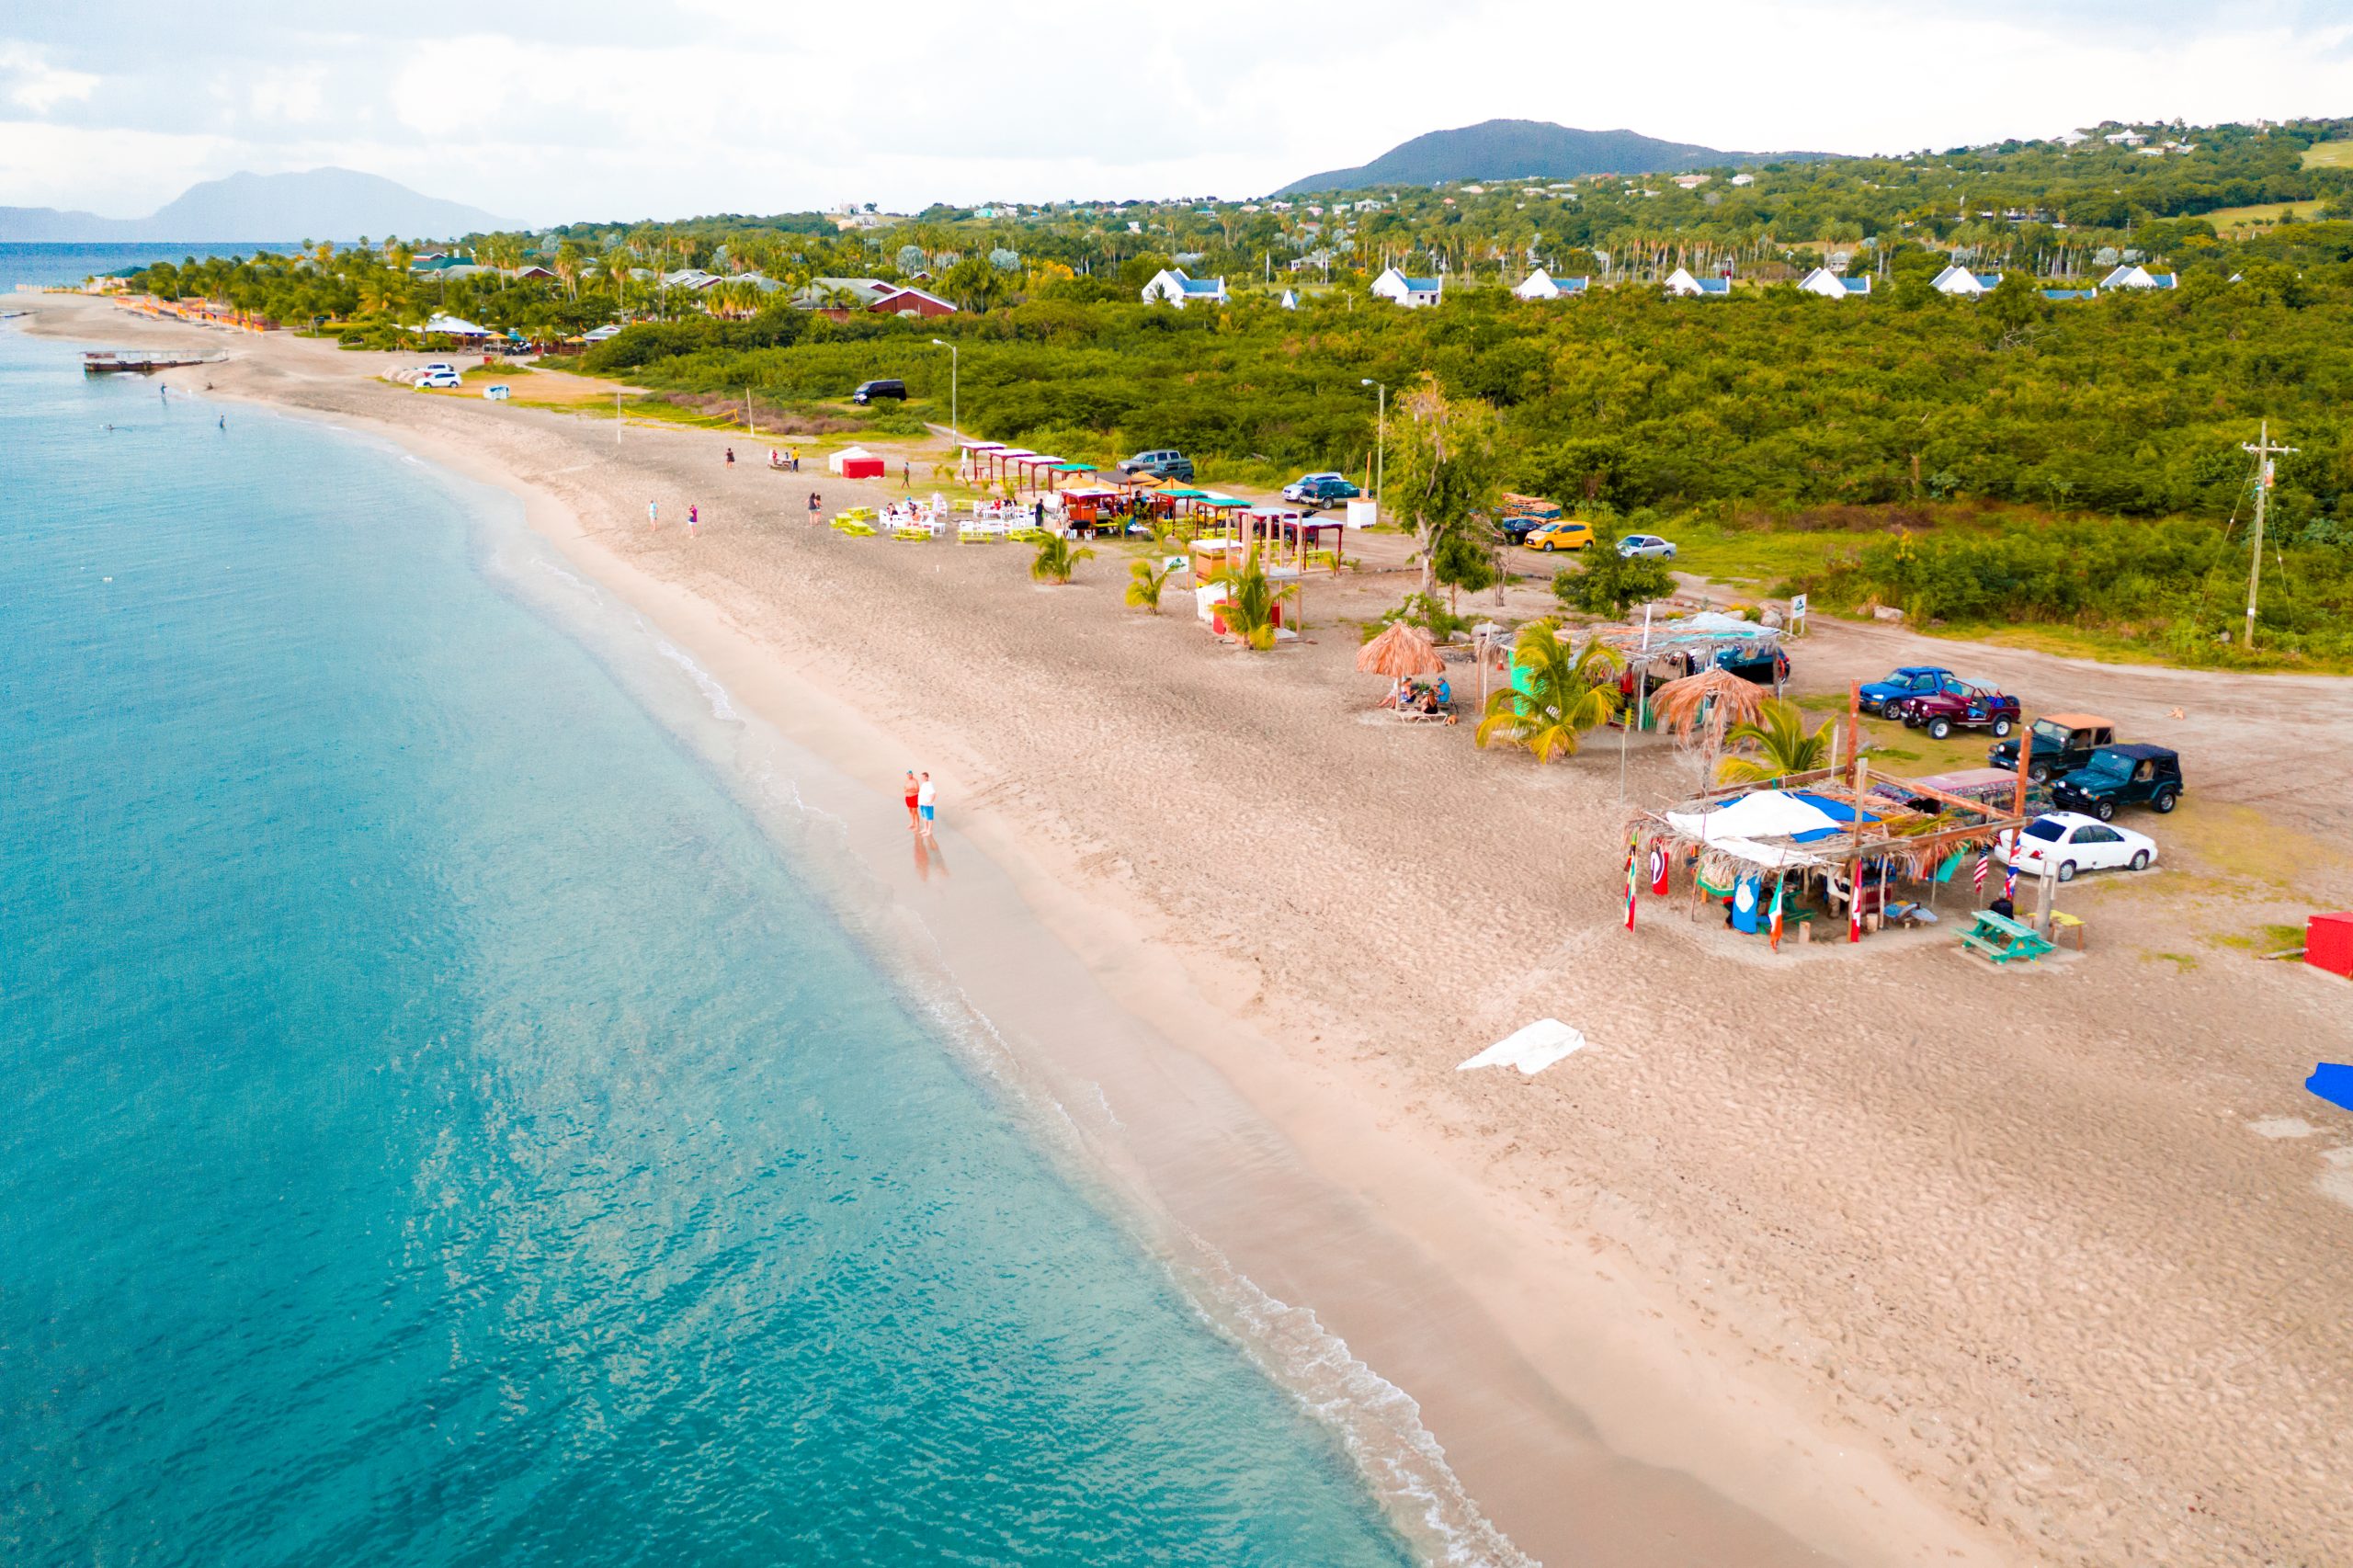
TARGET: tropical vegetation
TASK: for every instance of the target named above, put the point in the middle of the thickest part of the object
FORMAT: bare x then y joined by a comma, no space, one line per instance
1556,694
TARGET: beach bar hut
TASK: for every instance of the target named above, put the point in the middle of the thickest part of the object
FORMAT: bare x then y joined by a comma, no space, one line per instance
1831,829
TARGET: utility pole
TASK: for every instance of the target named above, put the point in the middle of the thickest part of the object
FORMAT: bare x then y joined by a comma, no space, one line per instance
2263,452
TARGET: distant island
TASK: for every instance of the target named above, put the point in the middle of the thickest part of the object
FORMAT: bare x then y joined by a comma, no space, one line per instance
322,204
1509,149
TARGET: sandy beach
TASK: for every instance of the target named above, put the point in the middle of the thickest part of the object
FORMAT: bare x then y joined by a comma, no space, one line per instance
1869,1254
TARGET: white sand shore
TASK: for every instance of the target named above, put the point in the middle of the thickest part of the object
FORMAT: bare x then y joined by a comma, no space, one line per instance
1900,1260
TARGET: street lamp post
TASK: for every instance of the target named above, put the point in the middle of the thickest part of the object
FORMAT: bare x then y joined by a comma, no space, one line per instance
953,427
1380,448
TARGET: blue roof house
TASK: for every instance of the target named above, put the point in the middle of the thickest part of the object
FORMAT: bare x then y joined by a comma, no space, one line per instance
1172,285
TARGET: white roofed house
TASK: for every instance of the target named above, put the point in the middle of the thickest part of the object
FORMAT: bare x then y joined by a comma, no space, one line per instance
1963,283
1541,285
1290,300
1681,284
1830,285
1410,292
2137,277
1171,284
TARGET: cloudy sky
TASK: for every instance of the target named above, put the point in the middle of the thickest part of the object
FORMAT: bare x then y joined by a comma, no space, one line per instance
541,112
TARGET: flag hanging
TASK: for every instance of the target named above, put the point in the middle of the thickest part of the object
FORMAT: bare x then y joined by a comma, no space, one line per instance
1984,864
1658,868
1632,884
1855,916
1774,931
2010,884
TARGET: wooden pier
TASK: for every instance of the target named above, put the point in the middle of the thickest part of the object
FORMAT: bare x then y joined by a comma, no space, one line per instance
111,361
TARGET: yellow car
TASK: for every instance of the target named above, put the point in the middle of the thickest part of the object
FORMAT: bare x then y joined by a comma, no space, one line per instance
1566,534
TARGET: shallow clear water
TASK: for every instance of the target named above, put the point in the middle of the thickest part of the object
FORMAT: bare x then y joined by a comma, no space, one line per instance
438,1127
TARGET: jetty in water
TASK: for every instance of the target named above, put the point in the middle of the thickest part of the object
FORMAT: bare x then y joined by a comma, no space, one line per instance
109,361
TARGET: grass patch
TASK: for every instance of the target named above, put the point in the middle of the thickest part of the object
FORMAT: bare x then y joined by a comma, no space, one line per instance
2235,222
2115,648
2183,962
2329,155
2265,938
1757,557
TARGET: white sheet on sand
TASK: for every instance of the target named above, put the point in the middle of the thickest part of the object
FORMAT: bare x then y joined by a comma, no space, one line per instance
1532,1049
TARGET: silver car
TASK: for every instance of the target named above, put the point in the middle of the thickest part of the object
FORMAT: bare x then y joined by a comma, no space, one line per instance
1646,545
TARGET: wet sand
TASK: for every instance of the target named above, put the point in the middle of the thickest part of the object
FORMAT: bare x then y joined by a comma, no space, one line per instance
1868,1253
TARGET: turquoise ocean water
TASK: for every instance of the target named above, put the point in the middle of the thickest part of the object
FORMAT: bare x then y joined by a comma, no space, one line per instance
437,1126
68,263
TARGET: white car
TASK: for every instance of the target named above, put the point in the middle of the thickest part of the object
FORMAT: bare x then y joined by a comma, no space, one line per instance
1649,545
2074,842
443,378
441,367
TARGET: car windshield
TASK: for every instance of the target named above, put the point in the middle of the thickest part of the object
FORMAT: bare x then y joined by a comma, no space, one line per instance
2109,764
2046,827
2057,734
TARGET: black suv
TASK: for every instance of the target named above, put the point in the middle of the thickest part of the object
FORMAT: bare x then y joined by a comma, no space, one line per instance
868,391
2063,743
1166,463
2121,776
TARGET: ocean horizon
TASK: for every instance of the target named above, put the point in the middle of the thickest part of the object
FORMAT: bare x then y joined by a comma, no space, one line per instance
448,1129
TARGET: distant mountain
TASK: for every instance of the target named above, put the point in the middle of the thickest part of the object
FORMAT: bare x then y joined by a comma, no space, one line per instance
319,204
1511,149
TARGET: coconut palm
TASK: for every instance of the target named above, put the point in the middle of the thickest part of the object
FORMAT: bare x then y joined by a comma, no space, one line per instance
1145,583
1057,559
1250,600
1556,695
1782,745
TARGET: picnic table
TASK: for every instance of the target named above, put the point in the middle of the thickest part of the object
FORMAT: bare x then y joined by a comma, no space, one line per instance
2001,940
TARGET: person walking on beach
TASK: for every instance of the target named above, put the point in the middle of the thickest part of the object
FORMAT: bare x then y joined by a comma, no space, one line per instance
817,504
730,457
927,802
652,515
694,516
906,474
915,798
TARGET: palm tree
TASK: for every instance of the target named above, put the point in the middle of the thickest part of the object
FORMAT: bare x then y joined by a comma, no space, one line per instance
1250,600
1144,588
1783,747
1057,559
1556,696
1704,708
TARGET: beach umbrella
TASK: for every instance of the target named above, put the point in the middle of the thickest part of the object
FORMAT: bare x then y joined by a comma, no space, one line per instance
1699,708
1402,652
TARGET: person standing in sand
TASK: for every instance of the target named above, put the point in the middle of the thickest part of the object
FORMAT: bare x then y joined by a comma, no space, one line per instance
927,802
694,516
915,798
652,515
730,457
817,504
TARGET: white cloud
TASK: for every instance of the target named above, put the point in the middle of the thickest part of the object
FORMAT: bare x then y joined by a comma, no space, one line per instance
673,107
35,85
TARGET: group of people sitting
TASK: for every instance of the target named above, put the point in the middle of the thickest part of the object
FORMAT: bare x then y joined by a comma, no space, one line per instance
789,462
1430,700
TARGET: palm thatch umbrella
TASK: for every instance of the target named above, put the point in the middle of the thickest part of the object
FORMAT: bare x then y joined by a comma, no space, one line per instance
1401,652
1702,708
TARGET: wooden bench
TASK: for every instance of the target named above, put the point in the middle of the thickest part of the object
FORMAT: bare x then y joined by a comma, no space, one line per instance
2003,940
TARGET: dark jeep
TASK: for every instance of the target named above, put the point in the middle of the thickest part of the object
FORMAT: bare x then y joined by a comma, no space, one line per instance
2063,743
2121,776
1957,704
